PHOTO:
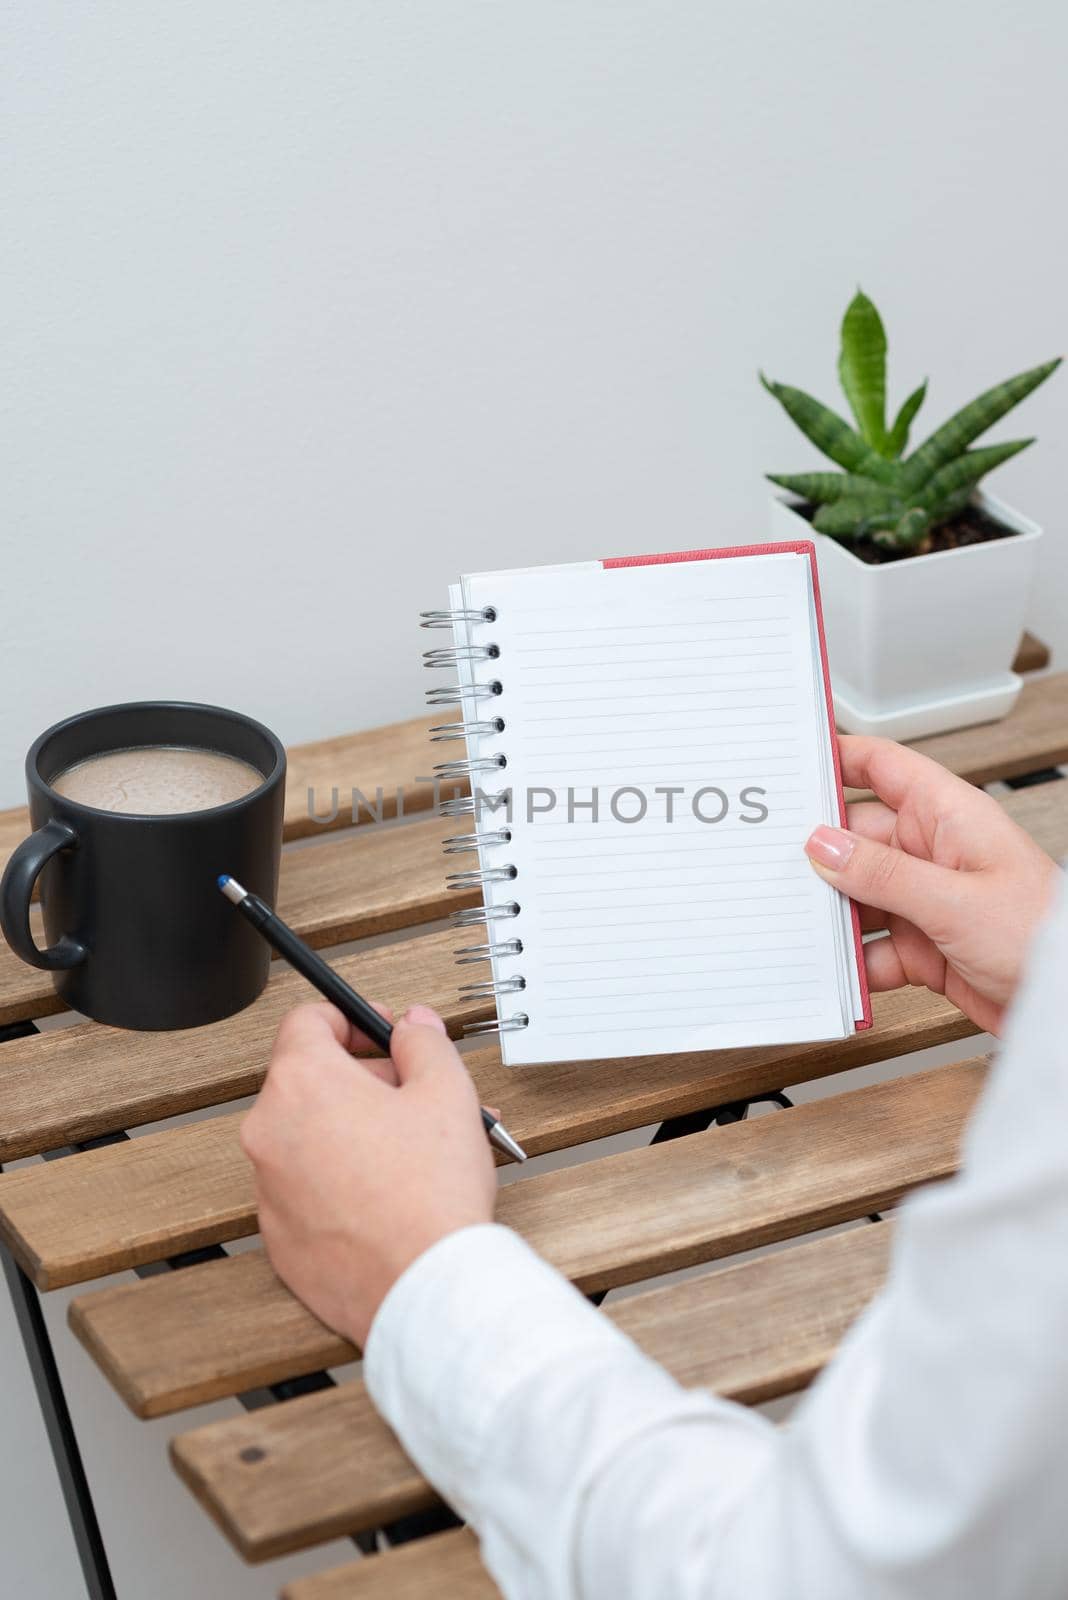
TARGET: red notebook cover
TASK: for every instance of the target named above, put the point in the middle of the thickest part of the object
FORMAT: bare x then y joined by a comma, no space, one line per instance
800,547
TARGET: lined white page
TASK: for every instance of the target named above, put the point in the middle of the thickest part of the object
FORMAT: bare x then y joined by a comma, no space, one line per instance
667,933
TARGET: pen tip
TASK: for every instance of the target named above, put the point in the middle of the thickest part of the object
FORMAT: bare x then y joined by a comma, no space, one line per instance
504,1141
231,888
222,880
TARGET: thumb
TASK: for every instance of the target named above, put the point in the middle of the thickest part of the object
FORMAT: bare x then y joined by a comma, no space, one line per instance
885,877
422,1050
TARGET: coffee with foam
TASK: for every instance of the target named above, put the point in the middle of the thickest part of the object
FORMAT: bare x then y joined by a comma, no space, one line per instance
158,780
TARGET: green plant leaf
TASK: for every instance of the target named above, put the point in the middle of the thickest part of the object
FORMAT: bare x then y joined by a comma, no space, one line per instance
862,369
912,527
877,523
898,437
822,487
829,433
966,470
846,517
948,441
950,506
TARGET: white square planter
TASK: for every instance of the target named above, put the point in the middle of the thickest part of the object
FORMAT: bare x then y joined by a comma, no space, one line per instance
924,644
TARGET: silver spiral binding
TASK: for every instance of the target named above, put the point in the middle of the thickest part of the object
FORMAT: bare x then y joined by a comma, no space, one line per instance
514,1024
471,954
445,619
465,769
491,988
450,655
475,880
463,730
457,844
463,654
478,916
454,694
469,805
460,806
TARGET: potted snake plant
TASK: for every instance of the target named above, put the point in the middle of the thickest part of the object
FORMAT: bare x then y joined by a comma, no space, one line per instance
924,576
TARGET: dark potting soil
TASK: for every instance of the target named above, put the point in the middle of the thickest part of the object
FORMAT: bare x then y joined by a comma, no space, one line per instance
970,526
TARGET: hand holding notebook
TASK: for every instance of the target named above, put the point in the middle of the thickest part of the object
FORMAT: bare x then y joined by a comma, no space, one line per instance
649,745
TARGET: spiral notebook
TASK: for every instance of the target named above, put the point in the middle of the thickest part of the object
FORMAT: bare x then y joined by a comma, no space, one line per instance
649,742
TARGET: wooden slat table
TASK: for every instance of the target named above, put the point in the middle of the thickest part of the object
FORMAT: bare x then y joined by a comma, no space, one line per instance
321,1465
722,1331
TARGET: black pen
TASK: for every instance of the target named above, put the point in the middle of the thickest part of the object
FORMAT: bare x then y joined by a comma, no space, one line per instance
334,988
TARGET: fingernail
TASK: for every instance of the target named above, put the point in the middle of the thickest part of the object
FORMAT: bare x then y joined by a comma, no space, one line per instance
423,1017
830,847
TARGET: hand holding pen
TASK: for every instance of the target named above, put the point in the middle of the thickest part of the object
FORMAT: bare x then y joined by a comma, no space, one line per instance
353,1007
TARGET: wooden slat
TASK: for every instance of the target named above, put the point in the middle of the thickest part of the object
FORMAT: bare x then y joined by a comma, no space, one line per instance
1036,735
86,1080
25,992
81,1082
127,1204
207,1331
1032,656
75,1082
1043,811
766,1327
14,826
366,883
447,1565
176,1190
284,1477
396,757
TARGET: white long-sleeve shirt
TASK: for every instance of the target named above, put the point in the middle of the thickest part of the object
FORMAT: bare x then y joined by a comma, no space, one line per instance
929,1460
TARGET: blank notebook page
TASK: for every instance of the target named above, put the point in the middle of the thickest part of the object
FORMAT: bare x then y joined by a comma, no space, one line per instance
699,924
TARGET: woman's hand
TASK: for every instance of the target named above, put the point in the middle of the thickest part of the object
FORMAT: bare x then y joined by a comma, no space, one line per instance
360,1164
938,863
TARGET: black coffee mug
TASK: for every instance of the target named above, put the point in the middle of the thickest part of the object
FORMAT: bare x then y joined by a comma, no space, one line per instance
138,934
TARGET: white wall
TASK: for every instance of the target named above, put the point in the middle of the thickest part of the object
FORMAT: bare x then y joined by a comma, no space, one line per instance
312,306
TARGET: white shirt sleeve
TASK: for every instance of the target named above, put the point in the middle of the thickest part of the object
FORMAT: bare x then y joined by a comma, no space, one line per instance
928,1462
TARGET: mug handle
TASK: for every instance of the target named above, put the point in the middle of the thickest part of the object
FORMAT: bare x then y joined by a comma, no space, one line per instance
16,892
